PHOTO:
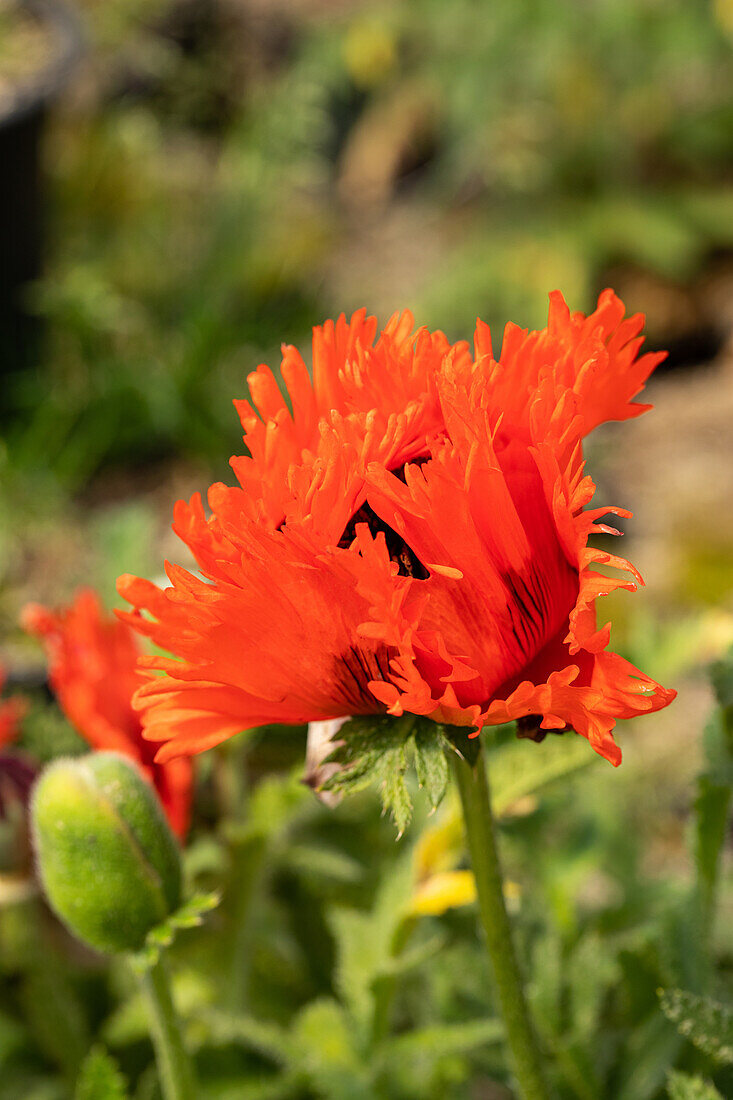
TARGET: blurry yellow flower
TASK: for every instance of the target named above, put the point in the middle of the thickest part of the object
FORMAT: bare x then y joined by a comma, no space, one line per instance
446,890
441,845
438,885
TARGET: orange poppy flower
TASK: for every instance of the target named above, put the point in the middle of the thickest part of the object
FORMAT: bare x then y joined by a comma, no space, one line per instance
11,712
93,672
412,537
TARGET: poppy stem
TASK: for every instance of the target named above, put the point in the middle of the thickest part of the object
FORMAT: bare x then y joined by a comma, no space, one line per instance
473,787
174,1065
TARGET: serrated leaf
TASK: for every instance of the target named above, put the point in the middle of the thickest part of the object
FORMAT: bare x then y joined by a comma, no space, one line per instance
396,801
100,1078
706,1023
682,1086
376,751
431,764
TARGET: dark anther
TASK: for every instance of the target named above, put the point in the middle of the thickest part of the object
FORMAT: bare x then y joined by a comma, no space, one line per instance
408,563
529,728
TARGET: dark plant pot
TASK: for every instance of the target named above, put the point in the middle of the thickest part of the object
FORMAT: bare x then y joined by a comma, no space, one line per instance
21,189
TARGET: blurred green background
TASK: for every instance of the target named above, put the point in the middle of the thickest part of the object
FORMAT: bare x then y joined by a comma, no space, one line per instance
219,175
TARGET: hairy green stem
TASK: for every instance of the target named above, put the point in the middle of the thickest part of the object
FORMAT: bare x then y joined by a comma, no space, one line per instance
175,1070
473,787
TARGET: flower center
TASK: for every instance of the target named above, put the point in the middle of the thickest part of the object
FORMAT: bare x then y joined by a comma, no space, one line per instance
408,563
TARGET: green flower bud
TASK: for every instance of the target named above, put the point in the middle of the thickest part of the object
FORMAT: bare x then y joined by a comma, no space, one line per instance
108,861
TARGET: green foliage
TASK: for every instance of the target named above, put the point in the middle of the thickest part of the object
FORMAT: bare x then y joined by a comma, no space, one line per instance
705,1022
377,750
100,1078
365,943
516,772
711,818
56,1014
682,1086
721,674
715,791
327,1055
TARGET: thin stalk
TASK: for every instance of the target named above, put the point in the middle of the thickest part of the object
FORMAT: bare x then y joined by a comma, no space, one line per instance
175,1070
473,787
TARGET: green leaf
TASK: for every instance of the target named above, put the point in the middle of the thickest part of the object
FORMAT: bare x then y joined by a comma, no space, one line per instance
519,769
439,1041
681,1086
411,958
266,1038
365,943
323,861
393,788
718,745
327,1054
190,915
711,817
721,676
431,764
376,750
591,971
545,988
56,1016
100,1078
360,954
706,1023
651,1049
